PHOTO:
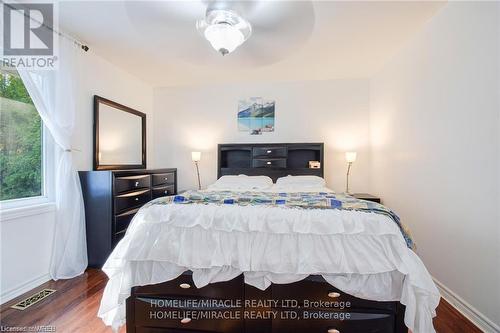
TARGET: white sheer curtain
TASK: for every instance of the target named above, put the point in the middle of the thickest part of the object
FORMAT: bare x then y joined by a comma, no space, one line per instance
54,92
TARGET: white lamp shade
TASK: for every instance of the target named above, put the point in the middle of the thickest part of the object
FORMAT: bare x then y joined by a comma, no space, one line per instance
224,37
196,156
350,156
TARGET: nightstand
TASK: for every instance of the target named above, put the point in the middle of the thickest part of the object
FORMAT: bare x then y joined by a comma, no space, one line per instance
366,196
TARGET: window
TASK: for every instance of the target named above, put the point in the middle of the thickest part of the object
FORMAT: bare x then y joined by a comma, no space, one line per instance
21,141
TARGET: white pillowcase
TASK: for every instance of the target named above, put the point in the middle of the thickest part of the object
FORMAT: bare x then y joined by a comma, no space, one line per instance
242,182
301,181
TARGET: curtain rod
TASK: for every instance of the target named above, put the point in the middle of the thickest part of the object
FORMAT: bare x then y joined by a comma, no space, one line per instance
59,33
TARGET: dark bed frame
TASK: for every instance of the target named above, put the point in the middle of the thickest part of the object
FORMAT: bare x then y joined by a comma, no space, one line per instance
177,306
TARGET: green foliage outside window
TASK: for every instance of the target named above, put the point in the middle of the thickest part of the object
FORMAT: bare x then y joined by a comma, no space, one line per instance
20,140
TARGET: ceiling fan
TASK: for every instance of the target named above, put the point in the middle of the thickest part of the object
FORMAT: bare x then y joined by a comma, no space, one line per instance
262,31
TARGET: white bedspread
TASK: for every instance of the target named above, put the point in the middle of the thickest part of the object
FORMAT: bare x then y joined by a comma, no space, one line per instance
363,254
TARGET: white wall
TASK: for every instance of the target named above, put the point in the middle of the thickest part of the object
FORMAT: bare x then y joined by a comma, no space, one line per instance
435,133
198,118
25,250
26,242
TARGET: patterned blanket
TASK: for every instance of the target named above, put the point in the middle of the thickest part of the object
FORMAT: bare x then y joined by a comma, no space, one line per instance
300,200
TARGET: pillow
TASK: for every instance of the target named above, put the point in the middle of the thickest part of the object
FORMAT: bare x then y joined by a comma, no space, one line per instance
301,181
242,182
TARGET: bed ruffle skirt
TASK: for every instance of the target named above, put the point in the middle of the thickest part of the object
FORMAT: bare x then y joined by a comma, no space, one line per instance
362,254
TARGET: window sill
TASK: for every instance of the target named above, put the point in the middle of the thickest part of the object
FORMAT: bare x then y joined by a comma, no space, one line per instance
24,211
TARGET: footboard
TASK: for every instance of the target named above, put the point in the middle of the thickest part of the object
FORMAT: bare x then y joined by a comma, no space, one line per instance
311,305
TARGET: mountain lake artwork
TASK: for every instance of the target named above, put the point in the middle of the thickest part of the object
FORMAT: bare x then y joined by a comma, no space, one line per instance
256,115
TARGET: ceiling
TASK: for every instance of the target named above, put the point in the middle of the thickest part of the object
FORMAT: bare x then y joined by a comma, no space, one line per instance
291,40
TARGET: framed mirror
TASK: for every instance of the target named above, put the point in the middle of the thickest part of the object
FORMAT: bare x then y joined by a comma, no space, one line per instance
119,136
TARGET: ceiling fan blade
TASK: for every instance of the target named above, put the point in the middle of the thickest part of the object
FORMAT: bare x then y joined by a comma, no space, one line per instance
165,12
269,14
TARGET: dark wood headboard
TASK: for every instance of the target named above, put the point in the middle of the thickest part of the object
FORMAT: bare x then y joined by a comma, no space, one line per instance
269,159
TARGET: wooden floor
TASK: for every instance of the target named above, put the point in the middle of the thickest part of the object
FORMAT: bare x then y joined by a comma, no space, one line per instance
73,308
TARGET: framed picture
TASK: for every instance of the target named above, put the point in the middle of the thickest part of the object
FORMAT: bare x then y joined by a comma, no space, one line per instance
256,115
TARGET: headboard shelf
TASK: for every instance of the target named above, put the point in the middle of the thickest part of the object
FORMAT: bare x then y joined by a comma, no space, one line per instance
269,159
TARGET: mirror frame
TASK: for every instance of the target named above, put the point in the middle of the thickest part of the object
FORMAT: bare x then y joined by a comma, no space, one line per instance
101,100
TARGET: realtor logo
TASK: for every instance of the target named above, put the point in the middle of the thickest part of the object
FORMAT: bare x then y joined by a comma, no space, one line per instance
27,29
29,37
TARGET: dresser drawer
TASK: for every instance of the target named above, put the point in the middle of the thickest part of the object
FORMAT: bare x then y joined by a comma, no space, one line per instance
191,319
163,191
315,292
163,178
318,321
131,200
269,163
130,183
123,220
269,152
183,286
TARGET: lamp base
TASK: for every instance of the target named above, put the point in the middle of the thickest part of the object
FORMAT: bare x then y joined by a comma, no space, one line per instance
198,174
347,177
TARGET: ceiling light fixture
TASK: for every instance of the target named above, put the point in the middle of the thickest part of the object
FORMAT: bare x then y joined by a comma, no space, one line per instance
224,29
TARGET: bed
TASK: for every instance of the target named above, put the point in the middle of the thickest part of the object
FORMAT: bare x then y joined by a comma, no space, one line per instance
290,256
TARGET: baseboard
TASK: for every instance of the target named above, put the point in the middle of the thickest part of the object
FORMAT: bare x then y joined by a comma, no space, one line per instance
467,310
23,288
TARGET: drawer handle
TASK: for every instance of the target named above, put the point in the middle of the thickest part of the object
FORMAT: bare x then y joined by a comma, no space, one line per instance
333,330
185,320
333,294
269,151
136,184
136,199
185,285
166,178
166,191
268,163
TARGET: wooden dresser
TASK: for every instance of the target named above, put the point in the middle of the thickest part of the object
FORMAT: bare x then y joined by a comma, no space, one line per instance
111,200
